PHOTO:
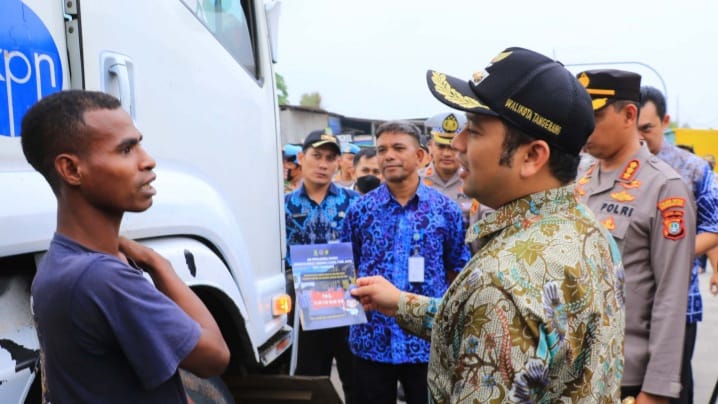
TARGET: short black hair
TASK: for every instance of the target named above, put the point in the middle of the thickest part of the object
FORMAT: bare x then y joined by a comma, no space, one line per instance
563,165
401,127
56,125
366,152
653,95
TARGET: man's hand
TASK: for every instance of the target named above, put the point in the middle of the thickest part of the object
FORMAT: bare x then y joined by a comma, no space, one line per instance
647,398
376,293
714,283
144,256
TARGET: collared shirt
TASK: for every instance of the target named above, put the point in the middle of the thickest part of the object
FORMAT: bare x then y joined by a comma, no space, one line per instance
537,315
651,214
385,235
308,222
699,177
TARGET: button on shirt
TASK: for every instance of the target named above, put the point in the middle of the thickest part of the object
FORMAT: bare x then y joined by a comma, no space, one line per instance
384,235
537,315
308,222
699,177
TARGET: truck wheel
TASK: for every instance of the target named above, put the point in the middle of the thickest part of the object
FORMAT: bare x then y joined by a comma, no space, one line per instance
206,391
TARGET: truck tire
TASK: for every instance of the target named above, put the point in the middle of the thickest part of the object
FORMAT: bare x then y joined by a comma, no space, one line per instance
206,391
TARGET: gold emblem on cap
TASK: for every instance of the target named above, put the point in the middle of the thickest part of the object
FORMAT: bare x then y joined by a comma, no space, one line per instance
450,124
584,80
328,137
501,56
450,94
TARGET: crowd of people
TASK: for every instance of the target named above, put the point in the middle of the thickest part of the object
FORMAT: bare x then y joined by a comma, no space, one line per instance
544,246
586,227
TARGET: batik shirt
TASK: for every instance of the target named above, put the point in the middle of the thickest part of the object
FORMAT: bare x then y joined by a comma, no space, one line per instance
384,235
699,177
537,315
308,222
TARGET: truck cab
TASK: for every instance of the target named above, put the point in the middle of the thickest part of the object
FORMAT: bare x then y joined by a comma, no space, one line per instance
197,78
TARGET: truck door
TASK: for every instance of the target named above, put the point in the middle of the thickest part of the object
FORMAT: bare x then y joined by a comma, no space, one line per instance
196,76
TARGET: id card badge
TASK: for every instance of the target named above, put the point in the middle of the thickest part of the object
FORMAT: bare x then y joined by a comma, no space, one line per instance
416,269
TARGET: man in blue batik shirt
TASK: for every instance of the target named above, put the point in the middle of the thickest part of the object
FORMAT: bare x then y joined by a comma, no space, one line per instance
313,215
413,236
697,174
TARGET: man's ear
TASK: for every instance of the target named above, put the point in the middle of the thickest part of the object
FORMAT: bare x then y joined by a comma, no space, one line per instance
630,114
666,121
534,157
300,157
420,154
67,166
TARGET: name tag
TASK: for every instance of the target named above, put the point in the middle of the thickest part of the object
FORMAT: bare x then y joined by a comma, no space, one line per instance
416,269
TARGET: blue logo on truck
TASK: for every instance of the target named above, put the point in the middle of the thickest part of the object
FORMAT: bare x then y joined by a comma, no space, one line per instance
30,66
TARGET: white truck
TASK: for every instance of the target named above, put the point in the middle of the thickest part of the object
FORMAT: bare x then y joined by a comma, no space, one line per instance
197,78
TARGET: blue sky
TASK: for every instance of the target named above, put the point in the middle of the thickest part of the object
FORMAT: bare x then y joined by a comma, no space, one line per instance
368,58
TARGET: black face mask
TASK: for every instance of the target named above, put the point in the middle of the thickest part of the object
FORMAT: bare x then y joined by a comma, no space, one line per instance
367,183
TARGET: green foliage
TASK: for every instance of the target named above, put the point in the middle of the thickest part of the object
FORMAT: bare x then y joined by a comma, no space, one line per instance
282,93
311,100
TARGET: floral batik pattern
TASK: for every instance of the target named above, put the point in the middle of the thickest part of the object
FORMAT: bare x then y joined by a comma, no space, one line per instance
536,316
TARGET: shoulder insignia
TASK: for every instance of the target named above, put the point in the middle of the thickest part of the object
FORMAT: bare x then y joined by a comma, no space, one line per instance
623,196
584,180
428,172
635,184
474,207
630,171
672,202
428,182
609,223
579,191
673,228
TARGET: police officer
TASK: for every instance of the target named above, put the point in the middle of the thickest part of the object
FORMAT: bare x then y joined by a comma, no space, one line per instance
345,176
443,173
697,174
292,169
651,213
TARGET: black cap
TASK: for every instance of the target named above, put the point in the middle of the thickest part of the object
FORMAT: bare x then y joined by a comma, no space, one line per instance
528,90
321,137
607,85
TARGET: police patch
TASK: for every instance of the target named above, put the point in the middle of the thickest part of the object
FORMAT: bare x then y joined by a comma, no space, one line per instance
673,228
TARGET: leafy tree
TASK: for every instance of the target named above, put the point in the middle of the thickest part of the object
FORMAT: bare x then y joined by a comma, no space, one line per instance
282,93
311,100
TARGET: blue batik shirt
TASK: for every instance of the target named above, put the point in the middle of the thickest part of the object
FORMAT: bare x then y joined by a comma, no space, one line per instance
697,174
308,222
384,235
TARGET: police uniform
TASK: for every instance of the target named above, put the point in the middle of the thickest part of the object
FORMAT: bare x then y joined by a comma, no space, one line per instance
445,127
651,214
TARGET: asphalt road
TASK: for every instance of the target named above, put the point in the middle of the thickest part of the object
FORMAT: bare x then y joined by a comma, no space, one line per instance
705,357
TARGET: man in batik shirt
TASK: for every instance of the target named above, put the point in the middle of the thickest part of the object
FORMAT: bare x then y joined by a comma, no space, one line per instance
537,314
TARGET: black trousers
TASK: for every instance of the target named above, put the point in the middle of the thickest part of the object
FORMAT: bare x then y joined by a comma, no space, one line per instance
689,344
317,349
375,382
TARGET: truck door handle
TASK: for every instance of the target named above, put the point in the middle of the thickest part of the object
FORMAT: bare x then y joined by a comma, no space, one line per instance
118,79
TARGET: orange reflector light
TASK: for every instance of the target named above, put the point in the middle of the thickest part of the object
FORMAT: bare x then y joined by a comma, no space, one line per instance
281,304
